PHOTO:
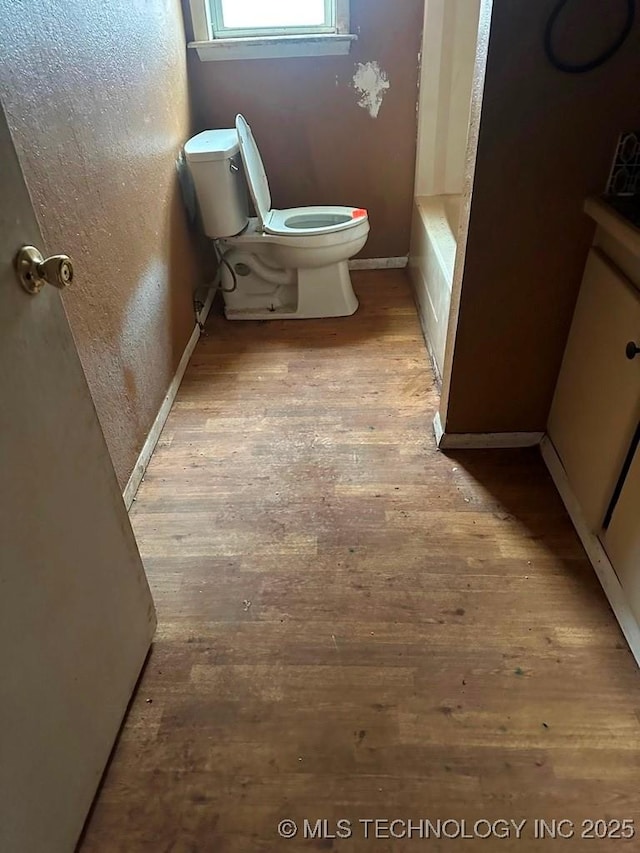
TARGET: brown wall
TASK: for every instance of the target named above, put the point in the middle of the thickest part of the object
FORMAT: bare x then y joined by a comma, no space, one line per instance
318,145
546,142
96,98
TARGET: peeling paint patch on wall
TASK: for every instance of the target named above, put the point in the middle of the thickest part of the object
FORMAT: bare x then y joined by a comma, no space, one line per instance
371,82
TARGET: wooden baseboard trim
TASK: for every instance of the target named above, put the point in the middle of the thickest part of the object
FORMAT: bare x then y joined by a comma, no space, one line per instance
379,263
483,440
595,552
133,484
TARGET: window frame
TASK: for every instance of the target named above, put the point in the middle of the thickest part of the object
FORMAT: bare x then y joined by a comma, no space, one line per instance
206,16
219,31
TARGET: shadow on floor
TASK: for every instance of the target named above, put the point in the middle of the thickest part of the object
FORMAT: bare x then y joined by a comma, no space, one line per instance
518,483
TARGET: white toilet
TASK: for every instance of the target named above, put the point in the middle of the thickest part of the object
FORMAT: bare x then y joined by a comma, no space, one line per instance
281,263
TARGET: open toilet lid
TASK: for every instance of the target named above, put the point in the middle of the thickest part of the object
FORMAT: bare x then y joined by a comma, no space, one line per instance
254,170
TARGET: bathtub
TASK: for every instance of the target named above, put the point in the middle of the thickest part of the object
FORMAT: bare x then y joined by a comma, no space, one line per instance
432,257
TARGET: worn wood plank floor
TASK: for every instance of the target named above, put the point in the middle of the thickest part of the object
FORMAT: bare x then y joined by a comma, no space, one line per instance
353,625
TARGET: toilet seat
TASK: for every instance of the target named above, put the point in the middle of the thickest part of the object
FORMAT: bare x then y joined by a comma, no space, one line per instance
295,221
297,238
311,221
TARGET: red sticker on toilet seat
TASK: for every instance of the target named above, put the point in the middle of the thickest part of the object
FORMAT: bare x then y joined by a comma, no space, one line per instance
359,212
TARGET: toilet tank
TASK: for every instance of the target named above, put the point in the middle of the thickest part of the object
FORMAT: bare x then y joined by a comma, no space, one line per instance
214,161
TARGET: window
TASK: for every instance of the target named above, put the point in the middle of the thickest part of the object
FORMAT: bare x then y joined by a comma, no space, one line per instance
237,18
235,29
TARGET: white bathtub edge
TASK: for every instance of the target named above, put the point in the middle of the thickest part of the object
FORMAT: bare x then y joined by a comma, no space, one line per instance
431,263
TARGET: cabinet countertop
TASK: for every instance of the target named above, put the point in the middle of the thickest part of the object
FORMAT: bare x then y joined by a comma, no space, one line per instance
612,221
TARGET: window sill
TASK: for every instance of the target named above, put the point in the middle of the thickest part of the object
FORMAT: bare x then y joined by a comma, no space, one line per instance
273,47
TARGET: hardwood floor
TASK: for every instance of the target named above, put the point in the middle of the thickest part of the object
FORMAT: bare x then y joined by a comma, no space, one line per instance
353,625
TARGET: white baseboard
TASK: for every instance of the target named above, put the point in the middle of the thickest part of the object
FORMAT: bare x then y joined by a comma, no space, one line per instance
483,440
596,553
379,263
133,484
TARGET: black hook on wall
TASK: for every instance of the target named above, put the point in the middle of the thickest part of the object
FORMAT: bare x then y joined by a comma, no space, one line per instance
583,67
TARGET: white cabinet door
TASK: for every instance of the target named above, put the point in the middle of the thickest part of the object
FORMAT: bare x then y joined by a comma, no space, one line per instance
622,539
597,400
76,615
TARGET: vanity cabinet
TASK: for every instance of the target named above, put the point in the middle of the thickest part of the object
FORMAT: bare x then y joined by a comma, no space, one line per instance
621,540
591,447
596,406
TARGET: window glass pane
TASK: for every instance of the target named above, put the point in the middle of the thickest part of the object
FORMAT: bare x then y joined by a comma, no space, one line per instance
239,14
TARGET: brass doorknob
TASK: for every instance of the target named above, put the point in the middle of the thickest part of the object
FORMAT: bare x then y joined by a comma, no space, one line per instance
34,271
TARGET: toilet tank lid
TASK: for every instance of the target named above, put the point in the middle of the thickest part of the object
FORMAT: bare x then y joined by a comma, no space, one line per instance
212,145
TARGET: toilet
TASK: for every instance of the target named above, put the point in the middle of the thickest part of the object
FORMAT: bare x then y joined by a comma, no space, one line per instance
279,264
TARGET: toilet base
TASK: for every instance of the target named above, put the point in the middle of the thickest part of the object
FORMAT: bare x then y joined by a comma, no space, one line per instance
315,293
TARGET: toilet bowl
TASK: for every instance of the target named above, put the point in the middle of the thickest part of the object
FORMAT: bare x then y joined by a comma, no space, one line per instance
281,263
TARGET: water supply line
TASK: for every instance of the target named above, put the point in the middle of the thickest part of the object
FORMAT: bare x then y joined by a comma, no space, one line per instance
605,56
222,259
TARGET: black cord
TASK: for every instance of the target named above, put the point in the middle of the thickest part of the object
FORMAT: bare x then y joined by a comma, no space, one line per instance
583,67
223,260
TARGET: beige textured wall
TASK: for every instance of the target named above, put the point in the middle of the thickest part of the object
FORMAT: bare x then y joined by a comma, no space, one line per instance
96,98
318,145
546,142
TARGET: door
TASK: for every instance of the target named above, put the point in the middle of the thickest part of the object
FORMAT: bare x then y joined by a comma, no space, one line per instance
596,405
76,614
622,538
